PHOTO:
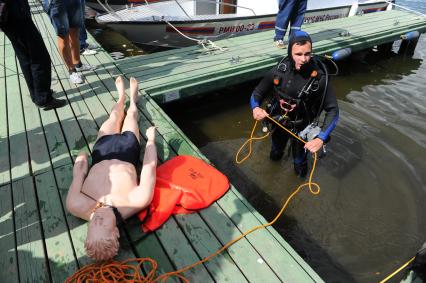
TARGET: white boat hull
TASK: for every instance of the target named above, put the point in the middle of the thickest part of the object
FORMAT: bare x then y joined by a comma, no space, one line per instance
161,34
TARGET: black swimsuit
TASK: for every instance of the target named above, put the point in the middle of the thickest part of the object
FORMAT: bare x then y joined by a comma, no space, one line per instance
124,147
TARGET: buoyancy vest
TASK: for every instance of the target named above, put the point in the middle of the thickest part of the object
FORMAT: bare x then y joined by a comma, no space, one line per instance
184,184
298,94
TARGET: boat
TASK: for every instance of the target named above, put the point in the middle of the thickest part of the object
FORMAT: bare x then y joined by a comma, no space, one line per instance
182,23
100,6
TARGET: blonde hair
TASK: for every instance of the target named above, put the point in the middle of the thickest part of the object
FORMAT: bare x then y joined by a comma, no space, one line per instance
102,248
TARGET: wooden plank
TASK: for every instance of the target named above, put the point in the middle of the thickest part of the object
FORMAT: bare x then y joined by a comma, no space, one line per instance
8,261
286,246
56,142
225,267
40,159
181,252
72,130
17,138
162,81
29,238
226,272
60,252
252,268
149,246
78,227
153,65
161,120
253,218
4,136
111,101
186,254
285,262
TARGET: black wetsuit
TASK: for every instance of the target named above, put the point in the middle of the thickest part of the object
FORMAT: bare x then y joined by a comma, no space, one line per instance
286,84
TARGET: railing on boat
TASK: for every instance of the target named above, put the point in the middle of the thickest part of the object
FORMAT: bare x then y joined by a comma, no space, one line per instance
111,11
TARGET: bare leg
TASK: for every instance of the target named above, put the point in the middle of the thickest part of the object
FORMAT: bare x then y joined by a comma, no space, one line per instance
113,124
131,120
74,45
65,51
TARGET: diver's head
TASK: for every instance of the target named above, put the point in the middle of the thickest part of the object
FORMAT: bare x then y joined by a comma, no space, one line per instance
102,235
300,49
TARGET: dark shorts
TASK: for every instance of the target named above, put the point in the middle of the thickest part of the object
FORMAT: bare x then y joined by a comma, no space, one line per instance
124,147
65,14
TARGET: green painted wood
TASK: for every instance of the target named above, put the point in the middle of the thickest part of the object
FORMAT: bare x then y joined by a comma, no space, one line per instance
78,227
223,267
149,246
4,140
181,258
288,269
39,155
8,261
178,230
89,79
205,243
60,252
29,240
285,261
286,246
257,219
181,147
56,143
181,252
17,138
235,44
163,74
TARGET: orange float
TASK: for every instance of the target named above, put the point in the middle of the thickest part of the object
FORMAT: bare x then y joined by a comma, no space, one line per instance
184,184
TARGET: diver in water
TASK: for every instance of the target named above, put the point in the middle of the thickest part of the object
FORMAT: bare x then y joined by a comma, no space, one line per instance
301,91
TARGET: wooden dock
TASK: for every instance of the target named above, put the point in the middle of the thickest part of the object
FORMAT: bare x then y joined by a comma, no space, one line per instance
41,242
175,74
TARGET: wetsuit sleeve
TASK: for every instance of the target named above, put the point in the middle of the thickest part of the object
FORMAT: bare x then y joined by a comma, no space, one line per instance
331,116
262,89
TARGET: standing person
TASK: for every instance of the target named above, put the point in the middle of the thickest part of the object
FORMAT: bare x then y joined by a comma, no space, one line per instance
110,192
300,92
66,17
85,48
290,11
32,54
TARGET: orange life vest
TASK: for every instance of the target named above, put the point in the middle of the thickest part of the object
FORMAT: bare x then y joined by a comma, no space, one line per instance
184,184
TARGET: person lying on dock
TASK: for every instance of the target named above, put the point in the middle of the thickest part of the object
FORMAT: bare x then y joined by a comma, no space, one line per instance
109,192
301,91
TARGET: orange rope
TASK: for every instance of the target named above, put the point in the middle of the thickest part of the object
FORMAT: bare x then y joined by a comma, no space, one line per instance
110,272
250,142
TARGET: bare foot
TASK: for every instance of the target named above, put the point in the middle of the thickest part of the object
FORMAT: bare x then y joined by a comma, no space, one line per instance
133,90
120,88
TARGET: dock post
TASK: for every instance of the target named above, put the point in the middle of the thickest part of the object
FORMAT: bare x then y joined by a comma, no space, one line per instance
408,43
408,46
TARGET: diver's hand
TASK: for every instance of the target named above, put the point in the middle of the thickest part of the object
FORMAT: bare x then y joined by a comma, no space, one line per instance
81,165
259,113
150,133
314,145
